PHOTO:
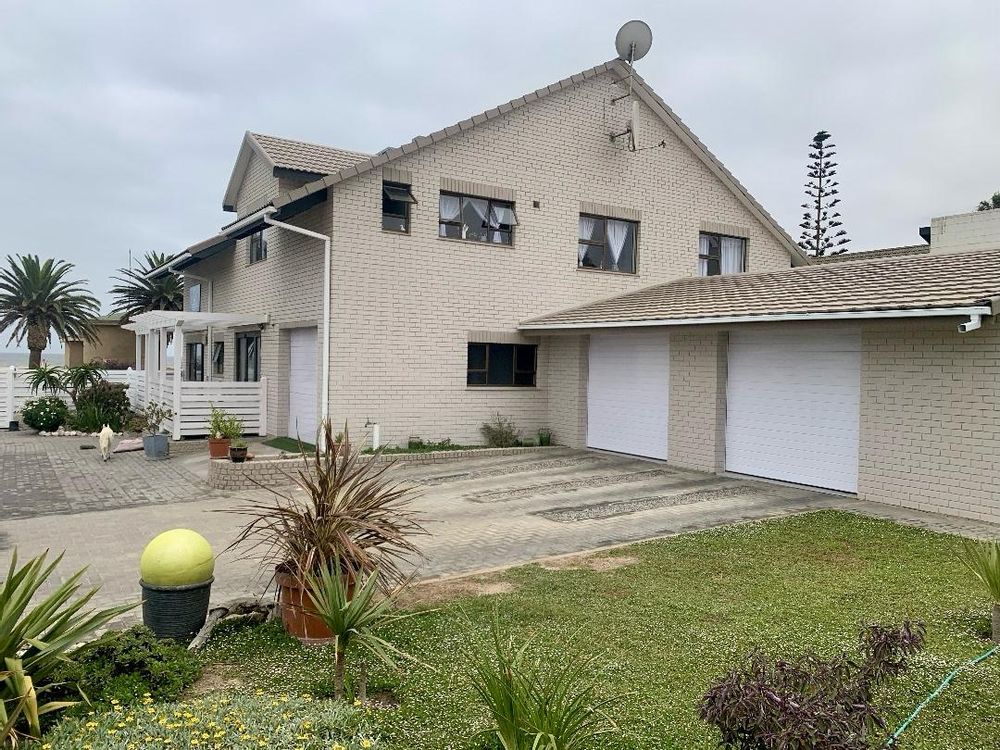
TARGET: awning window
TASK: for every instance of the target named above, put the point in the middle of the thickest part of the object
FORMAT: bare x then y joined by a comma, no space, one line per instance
398,193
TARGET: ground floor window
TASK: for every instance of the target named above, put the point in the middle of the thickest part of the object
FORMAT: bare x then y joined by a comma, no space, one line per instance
195,356
502,364
247,357
218,358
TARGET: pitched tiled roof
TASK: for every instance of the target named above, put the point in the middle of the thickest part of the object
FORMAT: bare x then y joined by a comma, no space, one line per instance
306,157
925,282
883,252
642,90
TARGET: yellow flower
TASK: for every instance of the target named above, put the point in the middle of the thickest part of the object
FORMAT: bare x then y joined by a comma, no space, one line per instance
366,743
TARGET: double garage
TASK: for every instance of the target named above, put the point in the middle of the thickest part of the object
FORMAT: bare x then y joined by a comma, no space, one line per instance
792,401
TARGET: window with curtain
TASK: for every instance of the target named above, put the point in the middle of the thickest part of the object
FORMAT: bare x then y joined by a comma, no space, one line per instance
396,201
218,358
257,247
247,357
195,356
501,364
719,254
194,298
464,217
607,244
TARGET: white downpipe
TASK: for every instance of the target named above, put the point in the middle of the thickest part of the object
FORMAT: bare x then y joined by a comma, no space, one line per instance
974,323
327,290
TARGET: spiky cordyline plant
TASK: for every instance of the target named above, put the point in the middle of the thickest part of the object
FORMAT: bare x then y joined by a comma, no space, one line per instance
36,300
536,704
135,294
353,515
983,559
354,618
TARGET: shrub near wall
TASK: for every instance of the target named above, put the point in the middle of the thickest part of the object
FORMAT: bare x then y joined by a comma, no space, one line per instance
45,414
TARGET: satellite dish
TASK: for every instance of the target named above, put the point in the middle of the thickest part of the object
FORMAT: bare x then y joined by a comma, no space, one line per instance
633,41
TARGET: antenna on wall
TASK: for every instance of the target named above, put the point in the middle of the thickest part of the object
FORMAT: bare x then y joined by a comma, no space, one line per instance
632,42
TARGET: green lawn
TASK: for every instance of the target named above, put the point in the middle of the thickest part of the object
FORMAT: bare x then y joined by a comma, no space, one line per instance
687,609
289,445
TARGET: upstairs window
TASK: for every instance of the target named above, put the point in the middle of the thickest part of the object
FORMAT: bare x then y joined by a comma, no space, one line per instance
195,361
247,357
502,364
463,217
396,201
257,247
607,244
194,298
719,254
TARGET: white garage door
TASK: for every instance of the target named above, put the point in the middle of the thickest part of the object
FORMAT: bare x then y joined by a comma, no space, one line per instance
793,405
627,392
302,392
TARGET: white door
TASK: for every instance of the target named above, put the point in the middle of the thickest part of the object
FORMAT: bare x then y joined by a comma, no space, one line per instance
302,392
627,391
793,406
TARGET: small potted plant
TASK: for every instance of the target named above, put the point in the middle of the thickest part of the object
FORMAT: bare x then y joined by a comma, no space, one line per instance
352,520
14,425
223,428
156,443
545,436
238,451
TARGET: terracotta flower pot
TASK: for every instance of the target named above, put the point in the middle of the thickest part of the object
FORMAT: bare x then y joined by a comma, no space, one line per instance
218,447
299,619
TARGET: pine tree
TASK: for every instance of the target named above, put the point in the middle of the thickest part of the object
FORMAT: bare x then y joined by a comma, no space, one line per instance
822,231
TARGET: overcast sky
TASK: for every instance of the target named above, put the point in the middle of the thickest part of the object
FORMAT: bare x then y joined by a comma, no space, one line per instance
120,121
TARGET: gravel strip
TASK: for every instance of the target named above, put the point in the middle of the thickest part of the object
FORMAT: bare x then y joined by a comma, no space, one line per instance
586,483
635,505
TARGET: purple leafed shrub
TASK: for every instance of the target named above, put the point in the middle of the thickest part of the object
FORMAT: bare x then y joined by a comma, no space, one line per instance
811,702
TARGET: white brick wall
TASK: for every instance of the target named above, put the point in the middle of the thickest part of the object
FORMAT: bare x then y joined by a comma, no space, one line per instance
930,418
404,305
404,309
963,233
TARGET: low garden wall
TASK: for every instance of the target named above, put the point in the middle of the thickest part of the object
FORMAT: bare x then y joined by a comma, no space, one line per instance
276,472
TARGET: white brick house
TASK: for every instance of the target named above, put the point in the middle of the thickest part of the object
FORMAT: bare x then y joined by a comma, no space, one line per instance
451,255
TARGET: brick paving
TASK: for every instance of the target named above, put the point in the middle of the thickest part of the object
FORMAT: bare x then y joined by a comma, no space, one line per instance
481,512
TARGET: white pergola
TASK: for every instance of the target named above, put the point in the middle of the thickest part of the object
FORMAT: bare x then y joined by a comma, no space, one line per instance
154,328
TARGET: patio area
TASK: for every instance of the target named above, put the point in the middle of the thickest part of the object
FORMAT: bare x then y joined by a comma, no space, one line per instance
160,380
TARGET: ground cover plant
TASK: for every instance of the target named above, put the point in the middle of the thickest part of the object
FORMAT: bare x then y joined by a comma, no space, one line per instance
46,414
122,666
225,721
669,623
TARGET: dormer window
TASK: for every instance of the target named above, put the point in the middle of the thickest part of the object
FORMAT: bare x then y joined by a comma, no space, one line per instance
396,201
719,254
464,217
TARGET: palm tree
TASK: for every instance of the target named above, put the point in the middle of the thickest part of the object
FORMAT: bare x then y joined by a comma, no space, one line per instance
993,202
136,294
36,299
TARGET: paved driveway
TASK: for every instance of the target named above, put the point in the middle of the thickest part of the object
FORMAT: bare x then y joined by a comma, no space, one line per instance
480,513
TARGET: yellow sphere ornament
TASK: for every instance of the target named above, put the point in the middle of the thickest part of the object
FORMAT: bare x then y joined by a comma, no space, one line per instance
178,557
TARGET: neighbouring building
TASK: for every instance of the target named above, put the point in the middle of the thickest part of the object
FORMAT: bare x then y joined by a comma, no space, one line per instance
528,262
114,344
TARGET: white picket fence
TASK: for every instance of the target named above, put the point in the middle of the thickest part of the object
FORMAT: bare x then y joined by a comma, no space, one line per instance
192,405
15,391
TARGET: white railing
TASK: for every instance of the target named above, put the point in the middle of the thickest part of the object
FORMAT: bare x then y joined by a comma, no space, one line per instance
195,400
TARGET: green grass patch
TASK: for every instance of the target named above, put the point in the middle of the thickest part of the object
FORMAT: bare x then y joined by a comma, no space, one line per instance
289,445
682,613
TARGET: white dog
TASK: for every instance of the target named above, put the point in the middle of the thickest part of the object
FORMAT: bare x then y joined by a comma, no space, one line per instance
105,437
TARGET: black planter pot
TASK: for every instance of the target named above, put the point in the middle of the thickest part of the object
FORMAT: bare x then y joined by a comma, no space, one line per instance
13,425
237,454
176,612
